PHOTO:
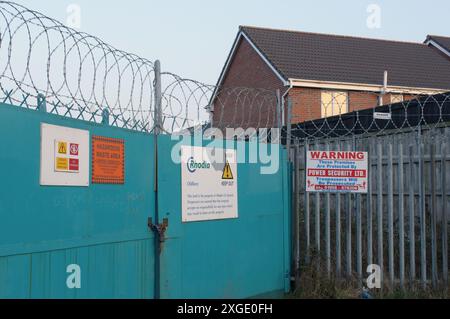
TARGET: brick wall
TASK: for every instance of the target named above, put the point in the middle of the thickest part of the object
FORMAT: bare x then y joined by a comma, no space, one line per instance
238,107
361,100
305,104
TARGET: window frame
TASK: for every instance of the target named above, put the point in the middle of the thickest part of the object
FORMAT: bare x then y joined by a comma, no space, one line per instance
395,95
333,93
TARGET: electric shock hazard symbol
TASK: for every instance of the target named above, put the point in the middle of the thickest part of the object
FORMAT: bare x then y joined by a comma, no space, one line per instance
227,174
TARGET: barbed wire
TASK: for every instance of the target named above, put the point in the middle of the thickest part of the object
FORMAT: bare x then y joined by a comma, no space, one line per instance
80,76
339,116
39,55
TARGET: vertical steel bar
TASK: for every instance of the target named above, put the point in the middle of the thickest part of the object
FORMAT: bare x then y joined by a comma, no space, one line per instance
444,214
327,227
412,239
423,255
307,214
433,213
338,235
42,103
369,208
348,230
297,213
390,215
380,209
289,128
156,131
358,238
401,216
158,99
317,222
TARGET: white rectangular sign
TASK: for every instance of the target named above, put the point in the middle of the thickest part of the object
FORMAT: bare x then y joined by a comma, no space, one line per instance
208,186
336,171
381,116
64,156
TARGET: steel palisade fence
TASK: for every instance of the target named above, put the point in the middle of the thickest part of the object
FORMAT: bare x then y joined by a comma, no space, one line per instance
401,224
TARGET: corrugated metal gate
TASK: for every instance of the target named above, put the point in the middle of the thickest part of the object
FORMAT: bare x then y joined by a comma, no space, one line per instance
103,228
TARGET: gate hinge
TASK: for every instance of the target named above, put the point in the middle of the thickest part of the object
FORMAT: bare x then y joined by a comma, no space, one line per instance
159,229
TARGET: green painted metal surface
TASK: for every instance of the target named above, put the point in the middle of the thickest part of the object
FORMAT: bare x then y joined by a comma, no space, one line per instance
103,228
230,258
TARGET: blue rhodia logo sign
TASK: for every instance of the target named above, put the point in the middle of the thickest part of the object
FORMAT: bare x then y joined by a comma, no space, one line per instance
192,165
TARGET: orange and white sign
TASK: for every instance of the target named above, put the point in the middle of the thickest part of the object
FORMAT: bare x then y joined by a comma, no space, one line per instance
336,171
108,160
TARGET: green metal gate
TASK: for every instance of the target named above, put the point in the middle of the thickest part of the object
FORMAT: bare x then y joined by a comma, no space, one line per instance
104,228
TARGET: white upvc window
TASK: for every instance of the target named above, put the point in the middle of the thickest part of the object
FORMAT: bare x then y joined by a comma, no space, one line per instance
396,98
334,103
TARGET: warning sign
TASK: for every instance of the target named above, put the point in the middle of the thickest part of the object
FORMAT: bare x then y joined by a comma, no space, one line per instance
227,174
62,164
64,156
209,185
73,149
63,160
108,160
336,171
62,147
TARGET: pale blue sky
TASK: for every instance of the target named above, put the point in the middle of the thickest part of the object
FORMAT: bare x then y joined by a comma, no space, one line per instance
193,37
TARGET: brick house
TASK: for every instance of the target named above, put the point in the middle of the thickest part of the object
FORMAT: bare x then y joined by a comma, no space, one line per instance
325,75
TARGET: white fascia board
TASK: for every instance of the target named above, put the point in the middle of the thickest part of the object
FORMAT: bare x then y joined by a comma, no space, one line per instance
439,47
362,87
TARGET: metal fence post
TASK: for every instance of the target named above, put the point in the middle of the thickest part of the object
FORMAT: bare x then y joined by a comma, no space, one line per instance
369,206
157,125
390,216
348,228
433,213
41,103
289,129
380,209
157,120
327,227
423,255
306,211
297,212
401,216
105,116
444,214
338,231
412,219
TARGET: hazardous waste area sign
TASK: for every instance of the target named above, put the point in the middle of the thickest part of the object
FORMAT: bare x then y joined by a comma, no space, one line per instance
336,171
209,184
64,156
108,160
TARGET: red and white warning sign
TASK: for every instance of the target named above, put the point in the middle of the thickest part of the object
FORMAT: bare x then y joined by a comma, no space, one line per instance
336,171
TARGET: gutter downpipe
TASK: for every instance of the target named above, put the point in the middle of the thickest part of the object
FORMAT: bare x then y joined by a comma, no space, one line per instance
289,82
